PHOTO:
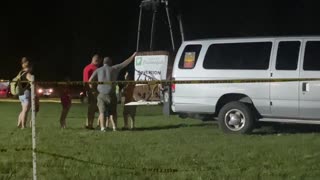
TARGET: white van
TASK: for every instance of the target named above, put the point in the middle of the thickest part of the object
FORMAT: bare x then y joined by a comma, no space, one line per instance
239,105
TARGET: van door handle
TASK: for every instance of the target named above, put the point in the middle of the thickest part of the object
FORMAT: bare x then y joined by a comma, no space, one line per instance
305,87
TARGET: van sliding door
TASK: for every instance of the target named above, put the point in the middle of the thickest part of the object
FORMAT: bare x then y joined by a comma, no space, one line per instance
284,96
310,90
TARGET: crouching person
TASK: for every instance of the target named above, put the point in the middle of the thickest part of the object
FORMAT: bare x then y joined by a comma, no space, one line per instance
129,112
37,106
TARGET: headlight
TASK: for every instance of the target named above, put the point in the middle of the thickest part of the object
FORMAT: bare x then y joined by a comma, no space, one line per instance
40,90
50,90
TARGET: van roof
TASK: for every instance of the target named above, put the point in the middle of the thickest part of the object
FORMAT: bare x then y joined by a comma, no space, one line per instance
255,38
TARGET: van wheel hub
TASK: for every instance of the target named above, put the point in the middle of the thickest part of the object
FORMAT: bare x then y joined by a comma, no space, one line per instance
235,120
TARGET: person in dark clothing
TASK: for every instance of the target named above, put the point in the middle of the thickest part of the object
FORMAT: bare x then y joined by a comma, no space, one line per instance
65,98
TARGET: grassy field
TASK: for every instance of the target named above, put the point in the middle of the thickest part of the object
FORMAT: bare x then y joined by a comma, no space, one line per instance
160,148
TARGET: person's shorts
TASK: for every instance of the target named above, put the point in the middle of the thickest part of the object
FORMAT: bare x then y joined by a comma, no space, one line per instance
113,104
103,101
25,98
129,110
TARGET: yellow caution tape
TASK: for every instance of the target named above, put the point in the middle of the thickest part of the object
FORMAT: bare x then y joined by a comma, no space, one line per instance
167,82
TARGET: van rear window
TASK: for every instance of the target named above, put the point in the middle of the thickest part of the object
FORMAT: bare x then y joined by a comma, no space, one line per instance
189,56
249,55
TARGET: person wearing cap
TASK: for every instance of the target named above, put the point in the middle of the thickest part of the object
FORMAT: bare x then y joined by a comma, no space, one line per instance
106,74
115,71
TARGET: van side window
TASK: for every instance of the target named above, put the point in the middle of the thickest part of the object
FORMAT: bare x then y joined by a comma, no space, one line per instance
312,56
238,56
189,56
288,55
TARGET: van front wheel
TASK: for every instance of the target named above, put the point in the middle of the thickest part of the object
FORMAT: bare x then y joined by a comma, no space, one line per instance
236,117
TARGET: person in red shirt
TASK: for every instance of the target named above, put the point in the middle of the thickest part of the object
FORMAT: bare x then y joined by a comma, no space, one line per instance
91,92
90,68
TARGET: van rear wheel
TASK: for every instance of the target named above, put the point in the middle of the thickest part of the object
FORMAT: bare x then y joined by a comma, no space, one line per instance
236,117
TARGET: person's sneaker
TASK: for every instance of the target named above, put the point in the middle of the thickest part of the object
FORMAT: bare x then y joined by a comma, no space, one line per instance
114,129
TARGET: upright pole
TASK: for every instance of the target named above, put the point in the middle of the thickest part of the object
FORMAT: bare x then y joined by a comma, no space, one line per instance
181,28
170,27
153,27
139,28
33,121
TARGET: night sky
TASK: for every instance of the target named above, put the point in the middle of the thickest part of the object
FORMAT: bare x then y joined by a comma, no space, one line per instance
60,37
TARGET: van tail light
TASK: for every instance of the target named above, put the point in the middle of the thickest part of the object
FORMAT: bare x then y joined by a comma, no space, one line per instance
173,86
